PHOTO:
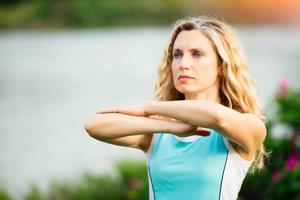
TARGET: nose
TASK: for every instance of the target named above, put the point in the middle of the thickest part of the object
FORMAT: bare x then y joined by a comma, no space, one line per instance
184,62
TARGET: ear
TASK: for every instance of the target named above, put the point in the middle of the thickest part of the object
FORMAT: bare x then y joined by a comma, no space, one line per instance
220,70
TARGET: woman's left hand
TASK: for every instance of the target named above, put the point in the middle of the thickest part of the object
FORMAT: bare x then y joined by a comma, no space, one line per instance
137,110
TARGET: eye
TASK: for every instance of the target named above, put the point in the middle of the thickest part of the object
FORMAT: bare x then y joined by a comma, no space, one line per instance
197,54
177,54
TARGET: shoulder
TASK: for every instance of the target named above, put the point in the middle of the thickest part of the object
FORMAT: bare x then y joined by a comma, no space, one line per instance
257,131
257,124
245,131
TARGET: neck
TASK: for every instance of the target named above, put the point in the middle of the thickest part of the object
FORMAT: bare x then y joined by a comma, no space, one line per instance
210,94
204,96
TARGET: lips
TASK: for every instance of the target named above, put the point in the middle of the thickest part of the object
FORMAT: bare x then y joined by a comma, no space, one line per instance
184,76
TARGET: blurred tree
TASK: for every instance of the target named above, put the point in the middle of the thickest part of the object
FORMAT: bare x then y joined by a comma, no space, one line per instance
91,13
10,2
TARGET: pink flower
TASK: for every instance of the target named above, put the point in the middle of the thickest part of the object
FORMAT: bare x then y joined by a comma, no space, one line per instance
276,176
284,86
135,183
292,161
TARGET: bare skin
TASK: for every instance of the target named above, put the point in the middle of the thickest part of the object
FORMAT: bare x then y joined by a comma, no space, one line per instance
194,56
136,131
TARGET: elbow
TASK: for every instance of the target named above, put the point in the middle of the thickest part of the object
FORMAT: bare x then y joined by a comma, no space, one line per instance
94,127
89,127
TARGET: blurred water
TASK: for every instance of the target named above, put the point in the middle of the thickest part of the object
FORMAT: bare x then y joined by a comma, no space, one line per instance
52,82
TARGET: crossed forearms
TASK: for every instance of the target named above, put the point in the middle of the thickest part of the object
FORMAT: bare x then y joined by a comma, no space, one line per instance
115,125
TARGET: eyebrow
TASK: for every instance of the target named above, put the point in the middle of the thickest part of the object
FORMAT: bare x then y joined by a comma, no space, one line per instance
192,49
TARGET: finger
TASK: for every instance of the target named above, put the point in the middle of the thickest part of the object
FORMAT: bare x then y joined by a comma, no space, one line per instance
202,132
103,112
109,110
201,128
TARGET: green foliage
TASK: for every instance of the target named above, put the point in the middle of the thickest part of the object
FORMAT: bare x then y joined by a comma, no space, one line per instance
288,103
4,195
19,15
135,182
281,177
34,193
89,187
10,2
278,180
130,183
90,13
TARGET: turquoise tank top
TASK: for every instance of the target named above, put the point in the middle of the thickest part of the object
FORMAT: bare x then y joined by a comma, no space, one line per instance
187,170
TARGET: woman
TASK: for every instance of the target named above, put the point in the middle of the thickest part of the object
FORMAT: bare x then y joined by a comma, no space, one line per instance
205,130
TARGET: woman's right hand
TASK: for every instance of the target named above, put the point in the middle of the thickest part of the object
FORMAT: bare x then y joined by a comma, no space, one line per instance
183,130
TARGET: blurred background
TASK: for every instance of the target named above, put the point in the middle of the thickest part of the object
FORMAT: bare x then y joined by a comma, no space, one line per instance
63,60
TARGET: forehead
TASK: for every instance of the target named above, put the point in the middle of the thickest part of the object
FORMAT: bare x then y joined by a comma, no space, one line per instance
192,39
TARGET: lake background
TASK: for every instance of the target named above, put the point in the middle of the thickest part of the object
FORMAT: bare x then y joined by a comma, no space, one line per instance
51,82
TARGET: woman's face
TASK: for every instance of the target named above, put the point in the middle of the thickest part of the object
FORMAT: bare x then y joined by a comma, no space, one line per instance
194,56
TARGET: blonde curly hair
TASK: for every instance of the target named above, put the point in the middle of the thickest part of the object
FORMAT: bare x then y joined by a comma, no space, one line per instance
237,89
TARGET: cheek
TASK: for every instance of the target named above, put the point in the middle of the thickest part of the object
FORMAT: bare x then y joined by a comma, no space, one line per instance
203,71
173,64
207,67
206,74
173,68
206,61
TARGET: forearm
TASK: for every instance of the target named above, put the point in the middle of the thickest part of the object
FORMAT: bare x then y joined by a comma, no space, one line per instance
194,112
114,125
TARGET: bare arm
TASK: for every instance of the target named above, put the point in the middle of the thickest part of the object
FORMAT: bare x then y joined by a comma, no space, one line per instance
244,129
131,131
115,125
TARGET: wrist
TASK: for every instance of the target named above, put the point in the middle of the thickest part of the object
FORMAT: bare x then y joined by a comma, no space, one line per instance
149,108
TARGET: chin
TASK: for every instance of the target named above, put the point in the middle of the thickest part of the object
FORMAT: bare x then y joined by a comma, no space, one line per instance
185,89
